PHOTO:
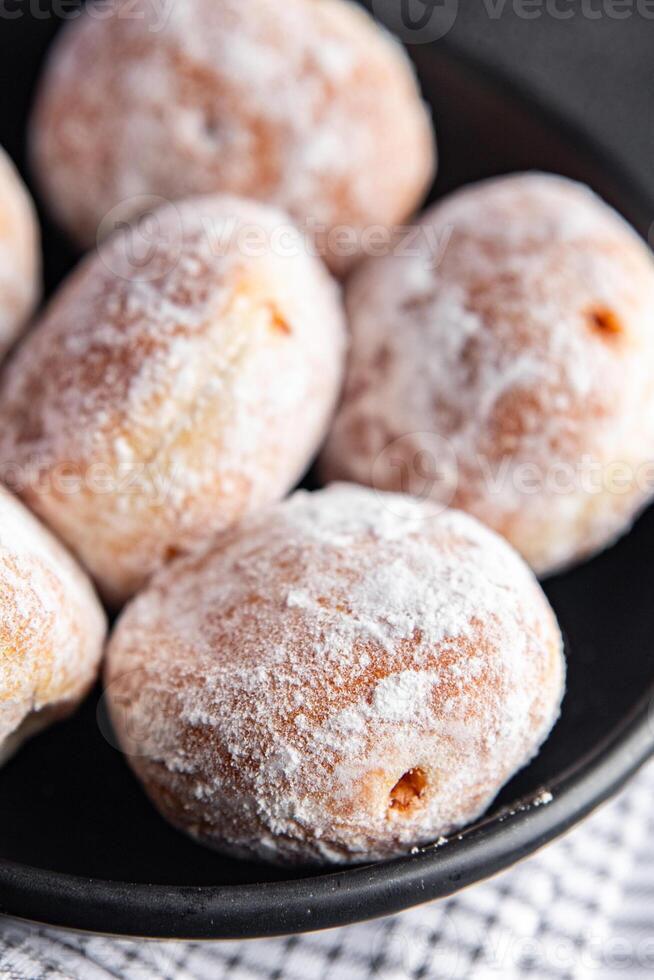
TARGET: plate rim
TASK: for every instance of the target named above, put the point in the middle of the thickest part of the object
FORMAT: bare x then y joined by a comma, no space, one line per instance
343,897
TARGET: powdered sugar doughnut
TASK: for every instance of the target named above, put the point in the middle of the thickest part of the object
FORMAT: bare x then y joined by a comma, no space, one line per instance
344,676
52,628
304,104
527,354
174,384
20,265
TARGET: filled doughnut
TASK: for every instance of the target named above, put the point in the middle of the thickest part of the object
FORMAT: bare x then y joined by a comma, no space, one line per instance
20,263
52,628
340,678
305,104
176,382
519,353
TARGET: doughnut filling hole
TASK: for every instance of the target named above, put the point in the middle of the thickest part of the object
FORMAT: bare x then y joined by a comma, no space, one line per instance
606,321
278,322
408,790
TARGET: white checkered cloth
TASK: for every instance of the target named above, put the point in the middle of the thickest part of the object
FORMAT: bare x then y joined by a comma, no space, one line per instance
582,907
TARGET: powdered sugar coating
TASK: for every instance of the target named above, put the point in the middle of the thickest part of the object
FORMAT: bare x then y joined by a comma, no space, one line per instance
271,693
158,401
20,265
529,349
52,628
288,103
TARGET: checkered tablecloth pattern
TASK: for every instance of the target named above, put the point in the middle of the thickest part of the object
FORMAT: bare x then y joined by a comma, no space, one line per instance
582,907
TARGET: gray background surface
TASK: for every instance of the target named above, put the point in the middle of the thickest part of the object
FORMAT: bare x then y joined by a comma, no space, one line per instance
598,72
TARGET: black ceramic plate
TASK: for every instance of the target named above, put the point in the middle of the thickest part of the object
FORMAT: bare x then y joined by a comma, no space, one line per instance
80,845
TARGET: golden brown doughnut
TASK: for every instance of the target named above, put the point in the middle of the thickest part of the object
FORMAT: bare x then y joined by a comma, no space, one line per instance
304,104
20,263
159,400
52,628
344,676
524,358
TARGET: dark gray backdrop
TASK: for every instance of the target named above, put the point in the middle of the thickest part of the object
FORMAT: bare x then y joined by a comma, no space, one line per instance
599,72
